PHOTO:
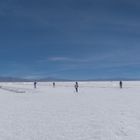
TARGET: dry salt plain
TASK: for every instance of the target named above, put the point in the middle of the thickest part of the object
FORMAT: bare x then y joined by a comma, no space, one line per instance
100,111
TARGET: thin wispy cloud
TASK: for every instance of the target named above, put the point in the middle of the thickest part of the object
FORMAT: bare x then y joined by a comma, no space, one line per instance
60,59
68,59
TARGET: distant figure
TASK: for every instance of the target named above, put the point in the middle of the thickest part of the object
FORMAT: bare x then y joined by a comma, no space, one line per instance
35,83
54,84
120,84
76,86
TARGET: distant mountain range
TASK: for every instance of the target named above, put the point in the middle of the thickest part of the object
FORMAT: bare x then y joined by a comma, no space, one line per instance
12,79
16,79
50,79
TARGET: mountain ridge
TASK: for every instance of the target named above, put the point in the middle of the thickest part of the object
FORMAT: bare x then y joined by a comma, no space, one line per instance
50,79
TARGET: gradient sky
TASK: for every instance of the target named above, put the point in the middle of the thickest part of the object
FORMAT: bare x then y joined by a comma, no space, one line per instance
71,39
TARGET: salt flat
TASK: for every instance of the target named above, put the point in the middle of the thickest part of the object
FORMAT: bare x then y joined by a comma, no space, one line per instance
100,111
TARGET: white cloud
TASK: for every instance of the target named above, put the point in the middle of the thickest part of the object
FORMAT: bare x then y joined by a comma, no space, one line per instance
60,59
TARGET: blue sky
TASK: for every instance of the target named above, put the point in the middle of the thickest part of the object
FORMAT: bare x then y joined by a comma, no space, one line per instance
71,39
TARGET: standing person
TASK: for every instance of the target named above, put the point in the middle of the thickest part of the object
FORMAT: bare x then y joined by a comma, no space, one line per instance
120,84
54,84
35,83
76,86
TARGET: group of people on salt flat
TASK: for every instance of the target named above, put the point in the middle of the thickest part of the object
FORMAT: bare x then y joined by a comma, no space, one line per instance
76,86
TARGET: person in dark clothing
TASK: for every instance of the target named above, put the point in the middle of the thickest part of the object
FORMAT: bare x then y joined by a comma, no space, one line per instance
54,84
120,84
76,86
35,83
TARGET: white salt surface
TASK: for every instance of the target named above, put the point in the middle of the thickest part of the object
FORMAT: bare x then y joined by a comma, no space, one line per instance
100,111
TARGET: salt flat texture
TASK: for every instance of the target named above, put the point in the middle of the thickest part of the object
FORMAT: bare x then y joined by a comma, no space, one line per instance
100,111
